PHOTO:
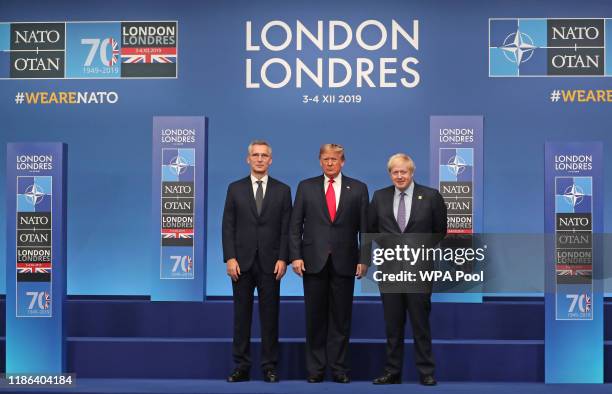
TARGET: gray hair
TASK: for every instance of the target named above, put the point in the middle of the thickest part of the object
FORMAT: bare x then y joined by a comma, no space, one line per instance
259,142
403,157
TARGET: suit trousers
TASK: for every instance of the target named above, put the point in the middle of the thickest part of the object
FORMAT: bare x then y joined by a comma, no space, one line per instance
418,306
328,297
268,291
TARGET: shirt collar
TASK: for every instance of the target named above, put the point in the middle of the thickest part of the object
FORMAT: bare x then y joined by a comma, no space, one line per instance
264,179
408,191
336,179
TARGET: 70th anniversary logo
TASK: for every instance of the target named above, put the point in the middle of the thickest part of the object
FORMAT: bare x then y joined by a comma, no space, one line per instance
538,47
84,50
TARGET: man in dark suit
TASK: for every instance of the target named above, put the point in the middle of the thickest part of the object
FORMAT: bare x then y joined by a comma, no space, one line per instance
255,249
330,211
407,207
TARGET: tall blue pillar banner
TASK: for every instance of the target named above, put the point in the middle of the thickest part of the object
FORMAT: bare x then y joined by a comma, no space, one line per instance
574,341
36,257
456,170
179,208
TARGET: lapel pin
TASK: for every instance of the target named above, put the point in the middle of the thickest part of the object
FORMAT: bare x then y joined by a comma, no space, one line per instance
348,187
420,197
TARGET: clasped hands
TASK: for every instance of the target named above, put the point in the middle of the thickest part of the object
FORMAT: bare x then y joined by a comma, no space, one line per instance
299,269
233,269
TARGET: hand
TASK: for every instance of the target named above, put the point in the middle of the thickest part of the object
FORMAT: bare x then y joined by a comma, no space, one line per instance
298,267
361,271
233,269
279,269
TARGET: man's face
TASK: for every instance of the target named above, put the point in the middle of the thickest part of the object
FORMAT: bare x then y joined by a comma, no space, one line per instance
401,176
259,159
331,163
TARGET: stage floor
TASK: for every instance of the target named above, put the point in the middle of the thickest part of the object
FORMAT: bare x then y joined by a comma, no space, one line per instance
188,386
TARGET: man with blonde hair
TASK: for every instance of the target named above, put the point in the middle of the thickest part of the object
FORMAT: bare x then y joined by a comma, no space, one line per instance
402,208
330,211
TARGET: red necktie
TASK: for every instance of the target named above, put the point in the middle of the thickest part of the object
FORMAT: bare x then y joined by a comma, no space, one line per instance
330,196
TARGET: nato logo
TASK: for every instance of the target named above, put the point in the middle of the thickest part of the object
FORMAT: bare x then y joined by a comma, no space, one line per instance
517,47
573,195
456,164
34,194
178,165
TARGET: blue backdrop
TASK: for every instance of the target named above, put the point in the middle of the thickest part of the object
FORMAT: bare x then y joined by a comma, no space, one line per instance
110,146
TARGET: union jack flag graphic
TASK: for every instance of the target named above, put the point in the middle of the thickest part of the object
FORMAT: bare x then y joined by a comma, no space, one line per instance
587,303
33,268
47,301
574,269
177,233
115,52
148,55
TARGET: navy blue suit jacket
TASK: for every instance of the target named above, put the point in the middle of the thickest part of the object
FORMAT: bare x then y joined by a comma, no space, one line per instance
313,236
244,232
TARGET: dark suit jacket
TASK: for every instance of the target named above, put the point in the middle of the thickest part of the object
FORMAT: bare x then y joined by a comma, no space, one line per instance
427,214
244,232
313,236
426,224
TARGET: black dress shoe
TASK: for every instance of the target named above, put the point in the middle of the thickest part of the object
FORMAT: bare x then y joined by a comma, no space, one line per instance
239,375
388,378
270,376
428,380
341,378
315,379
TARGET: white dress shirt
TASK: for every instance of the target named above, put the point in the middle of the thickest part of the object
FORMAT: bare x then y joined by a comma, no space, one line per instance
337,187
263,184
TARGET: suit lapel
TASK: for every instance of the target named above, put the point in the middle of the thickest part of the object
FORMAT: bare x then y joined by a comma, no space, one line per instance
267,196
345,189
416,202
321,187
250,196
390,214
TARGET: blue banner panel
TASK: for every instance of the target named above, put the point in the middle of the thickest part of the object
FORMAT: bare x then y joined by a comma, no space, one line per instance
36,257
538,47
179,208
88,50
574,288
456,167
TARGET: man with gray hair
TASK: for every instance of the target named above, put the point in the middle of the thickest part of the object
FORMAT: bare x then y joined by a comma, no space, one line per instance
255,233
402,208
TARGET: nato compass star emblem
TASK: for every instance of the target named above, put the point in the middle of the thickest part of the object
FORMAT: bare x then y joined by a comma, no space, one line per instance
456,165
34,194
518,47
573,195
178,165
